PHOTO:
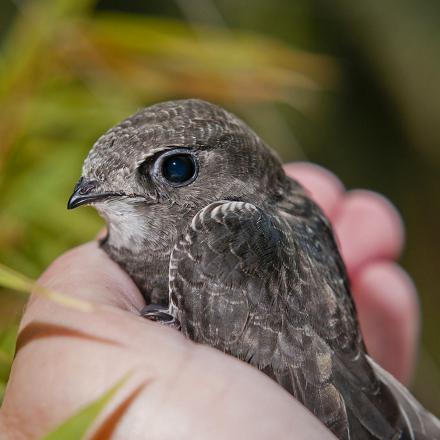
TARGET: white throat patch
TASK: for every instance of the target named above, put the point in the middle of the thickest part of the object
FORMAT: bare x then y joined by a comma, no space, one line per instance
127,225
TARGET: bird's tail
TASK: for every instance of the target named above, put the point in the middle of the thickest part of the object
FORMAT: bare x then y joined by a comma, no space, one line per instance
422,425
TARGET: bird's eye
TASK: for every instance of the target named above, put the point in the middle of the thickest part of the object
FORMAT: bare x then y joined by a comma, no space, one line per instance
177,167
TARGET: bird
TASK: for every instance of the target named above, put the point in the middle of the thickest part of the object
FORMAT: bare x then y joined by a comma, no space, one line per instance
232,252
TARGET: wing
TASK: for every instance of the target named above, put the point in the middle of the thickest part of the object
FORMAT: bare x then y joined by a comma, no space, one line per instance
271,289
219,272
421,423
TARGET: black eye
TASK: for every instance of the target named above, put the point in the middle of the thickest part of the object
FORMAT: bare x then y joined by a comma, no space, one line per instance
179,169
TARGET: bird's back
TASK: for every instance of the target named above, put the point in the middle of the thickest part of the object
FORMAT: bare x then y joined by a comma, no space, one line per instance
267,284
319,355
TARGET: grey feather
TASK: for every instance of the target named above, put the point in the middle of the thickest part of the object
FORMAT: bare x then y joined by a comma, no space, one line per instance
245,261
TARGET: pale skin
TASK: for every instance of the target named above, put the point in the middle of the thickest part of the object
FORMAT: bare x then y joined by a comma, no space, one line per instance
179,390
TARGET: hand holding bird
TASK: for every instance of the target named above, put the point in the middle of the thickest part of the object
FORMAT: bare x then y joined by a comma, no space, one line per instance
241,259
72,356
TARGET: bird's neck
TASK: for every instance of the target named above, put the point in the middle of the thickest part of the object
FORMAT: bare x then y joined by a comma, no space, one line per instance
140,239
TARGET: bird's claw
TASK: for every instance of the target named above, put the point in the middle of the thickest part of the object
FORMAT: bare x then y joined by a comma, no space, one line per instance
160,314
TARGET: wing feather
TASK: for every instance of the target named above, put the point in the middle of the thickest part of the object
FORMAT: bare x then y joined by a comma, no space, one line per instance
421,423
271,289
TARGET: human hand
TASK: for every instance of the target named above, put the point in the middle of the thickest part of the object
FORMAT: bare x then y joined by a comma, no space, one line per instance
177,389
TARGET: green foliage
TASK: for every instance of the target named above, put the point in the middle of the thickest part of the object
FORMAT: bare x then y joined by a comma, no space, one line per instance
79,424
81,73
8,337
14,280
68,72
66,75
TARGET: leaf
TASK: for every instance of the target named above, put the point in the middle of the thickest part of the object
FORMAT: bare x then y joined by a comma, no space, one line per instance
209,62
77,426
81,72
42,18
8,337
16,281
2,391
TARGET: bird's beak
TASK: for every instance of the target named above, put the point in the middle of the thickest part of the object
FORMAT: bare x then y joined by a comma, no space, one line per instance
86,192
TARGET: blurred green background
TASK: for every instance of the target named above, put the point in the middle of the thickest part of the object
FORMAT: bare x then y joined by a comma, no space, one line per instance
349,84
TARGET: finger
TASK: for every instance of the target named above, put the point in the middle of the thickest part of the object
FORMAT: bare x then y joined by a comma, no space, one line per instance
323,186
66,358
368,228
389,316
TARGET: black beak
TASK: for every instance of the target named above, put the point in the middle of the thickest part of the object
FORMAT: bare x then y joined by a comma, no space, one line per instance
85,193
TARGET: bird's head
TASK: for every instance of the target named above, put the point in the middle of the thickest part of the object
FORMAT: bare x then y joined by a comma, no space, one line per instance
168,161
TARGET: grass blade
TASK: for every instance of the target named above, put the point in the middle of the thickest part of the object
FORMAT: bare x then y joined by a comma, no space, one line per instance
77,426
11,279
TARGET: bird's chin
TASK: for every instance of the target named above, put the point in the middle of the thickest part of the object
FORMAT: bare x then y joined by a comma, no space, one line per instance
126,222
118,206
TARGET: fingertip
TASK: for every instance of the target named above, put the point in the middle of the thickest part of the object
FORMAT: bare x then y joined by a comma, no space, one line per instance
368,228
388,310
324,187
